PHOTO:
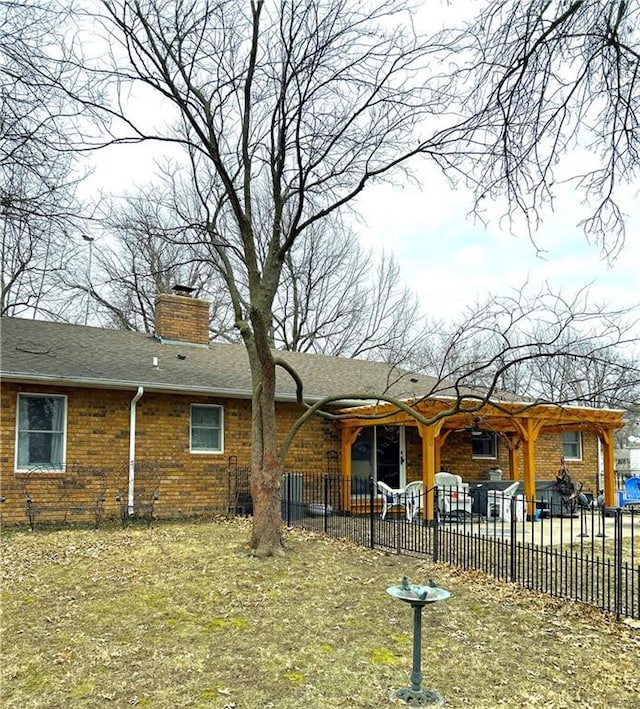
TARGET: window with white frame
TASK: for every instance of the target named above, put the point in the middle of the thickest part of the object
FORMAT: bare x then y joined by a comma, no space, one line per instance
207,428
572,445
40,431
484,445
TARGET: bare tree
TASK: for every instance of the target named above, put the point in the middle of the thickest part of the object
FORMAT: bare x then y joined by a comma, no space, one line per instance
551,79
595,373
333,298
544,347
34,217
287,112
38,205
148,252
336,299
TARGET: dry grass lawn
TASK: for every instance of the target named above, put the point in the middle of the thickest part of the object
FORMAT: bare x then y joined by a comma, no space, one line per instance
181,615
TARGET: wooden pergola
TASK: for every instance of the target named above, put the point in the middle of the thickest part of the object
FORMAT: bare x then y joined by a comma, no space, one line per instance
518,424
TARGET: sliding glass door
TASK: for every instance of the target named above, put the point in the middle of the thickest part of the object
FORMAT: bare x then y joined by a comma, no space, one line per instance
379,452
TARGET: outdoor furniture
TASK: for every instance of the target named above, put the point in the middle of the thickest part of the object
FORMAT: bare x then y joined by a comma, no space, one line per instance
413,499
499,503
75,490
631,493
513,506
391,497
454,498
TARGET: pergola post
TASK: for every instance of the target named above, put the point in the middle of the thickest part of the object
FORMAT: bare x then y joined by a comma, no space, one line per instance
608,459
513,463
430,456
512,443
530,430
348,438
439,442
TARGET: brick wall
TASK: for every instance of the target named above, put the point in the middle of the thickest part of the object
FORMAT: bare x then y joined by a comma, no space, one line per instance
456,457
98,434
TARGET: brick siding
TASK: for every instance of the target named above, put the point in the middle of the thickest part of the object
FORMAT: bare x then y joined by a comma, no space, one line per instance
98,434
456,457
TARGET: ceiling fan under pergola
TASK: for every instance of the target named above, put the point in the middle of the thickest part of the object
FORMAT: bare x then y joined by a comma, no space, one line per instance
474,428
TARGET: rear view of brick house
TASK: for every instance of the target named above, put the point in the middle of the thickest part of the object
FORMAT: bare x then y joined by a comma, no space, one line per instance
118,401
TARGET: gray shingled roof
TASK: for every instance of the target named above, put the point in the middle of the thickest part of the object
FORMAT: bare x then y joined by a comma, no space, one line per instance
59,353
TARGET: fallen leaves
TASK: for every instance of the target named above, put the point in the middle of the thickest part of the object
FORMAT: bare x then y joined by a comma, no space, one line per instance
181,615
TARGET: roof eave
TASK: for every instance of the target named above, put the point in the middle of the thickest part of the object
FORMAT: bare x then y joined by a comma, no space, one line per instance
127,385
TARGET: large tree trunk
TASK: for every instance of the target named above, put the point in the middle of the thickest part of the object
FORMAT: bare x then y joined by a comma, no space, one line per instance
266,465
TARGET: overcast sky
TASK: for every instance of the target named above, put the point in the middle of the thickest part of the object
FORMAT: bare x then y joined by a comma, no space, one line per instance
452,260
449,259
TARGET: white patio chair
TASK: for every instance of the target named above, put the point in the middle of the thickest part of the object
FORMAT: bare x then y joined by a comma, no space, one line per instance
499,503
413,494
391,497
454,498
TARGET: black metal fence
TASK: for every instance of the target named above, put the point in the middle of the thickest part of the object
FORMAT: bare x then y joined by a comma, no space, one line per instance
584,553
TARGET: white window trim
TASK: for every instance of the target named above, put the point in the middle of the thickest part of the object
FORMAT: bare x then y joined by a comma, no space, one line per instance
487,457
566,457
206,451
40,395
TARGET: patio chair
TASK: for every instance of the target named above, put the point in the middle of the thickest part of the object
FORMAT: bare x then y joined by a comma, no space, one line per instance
413,494
391,497
499,503
454,498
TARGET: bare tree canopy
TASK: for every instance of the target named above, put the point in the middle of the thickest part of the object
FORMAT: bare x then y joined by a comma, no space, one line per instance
543,346
37,208
551,79
337,299
38,179
146,251
334,298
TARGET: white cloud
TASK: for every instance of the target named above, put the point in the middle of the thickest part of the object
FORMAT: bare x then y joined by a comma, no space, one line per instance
451,262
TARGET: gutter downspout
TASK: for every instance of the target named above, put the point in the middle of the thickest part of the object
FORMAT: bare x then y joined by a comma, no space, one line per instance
132,446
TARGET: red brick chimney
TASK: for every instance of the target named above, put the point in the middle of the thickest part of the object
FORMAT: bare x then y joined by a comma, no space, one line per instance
182,318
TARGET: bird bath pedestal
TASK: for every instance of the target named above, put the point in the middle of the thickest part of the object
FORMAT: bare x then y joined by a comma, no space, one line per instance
418,597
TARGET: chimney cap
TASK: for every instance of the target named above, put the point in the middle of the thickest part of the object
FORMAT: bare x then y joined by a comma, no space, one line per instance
182,290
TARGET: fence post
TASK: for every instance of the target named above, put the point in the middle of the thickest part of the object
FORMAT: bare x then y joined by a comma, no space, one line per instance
617,559
372,521
601,521
513,570
326,503
288,491
436,525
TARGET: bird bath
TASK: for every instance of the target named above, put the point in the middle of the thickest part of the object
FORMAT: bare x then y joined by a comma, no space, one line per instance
418,597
